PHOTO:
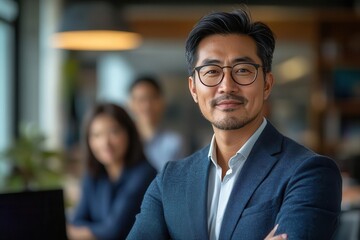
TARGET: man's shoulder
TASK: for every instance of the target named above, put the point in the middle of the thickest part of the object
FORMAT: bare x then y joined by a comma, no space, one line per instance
193,161
178,176
286,144
291,150
300,156
299,150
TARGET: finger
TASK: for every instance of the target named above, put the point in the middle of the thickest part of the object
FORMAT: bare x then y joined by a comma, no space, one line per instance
272,233
278,237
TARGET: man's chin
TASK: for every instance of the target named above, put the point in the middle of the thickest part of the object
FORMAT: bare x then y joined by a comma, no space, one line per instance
229,124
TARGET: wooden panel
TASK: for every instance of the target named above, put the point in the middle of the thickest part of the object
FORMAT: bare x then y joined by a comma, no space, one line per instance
160,28
179,29
294,30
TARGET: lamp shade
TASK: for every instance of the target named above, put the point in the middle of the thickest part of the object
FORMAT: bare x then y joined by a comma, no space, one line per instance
96,26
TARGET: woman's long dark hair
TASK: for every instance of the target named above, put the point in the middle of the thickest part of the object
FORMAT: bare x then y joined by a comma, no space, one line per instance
134,153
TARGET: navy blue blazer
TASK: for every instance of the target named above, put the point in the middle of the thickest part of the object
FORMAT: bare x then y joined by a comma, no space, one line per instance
281,183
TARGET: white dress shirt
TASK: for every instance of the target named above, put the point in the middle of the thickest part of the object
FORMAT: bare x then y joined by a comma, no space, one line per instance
219,190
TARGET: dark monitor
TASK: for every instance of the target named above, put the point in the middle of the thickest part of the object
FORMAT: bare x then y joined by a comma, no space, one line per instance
32,215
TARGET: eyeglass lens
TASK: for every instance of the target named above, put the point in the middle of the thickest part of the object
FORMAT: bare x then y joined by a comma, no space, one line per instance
243,74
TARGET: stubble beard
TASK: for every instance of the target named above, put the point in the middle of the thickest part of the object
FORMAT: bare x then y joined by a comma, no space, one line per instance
233,123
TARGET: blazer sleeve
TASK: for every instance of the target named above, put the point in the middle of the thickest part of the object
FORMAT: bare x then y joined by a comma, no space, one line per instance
312,202
150,222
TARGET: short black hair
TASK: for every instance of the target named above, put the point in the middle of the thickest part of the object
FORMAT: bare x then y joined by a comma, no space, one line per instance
236,22
149,80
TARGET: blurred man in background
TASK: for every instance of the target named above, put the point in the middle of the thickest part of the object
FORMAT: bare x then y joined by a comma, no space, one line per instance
147,104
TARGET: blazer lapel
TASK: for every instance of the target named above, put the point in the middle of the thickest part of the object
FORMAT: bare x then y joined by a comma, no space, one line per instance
255,169
196,194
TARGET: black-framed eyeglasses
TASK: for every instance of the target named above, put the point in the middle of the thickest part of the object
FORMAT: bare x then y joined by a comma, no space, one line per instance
242,73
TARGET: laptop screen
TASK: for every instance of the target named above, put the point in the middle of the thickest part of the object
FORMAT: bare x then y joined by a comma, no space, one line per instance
32,215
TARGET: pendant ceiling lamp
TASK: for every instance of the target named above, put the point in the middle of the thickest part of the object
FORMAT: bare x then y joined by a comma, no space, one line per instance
94,26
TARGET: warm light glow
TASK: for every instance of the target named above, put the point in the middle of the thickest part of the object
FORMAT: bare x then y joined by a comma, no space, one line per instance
293,68
96,40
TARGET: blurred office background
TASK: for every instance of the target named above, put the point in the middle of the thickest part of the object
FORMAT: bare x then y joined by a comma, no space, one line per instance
316,99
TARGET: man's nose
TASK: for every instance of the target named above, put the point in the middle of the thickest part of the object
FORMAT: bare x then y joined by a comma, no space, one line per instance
228,84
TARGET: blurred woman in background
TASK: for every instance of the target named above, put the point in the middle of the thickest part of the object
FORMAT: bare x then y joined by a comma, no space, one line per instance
116,179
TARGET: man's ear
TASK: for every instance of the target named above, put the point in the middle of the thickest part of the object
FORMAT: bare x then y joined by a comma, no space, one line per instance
269,82
192,88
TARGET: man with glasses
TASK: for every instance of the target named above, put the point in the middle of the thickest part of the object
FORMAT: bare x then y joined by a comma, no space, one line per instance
251,182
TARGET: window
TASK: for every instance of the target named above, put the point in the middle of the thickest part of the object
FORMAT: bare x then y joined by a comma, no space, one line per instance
7,52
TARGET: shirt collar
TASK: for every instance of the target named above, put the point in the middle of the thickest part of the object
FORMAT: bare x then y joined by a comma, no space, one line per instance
244,151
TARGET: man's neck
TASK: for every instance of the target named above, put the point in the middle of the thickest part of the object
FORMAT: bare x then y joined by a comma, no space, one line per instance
228,142
146,130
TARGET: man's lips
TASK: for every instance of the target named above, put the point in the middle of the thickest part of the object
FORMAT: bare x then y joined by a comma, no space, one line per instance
228,103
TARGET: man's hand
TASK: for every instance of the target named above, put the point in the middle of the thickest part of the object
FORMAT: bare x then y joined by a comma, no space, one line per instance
271,236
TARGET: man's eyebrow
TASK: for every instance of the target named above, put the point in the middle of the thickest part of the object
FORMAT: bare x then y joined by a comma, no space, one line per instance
234,61
210,61
243,59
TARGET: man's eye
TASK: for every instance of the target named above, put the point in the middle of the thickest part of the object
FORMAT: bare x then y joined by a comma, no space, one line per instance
243,71
212,72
